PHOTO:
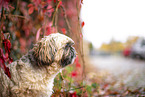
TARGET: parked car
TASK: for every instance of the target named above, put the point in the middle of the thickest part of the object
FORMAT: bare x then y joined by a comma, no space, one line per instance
138,49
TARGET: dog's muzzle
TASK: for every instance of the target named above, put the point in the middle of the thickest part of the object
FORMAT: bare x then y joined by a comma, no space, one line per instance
69,55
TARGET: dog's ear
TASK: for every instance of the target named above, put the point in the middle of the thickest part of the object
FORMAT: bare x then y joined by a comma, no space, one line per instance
44,51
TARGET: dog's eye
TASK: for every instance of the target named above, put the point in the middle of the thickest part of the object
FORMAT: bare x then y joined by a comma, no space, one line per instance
69,44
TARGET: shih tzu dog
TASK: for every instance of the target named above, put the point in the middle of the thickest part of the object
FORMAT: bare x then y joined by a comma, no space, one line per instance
33,74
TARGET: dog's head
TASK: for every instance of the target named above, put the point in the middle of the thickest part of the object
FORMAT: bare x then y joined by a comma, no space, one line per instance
55,48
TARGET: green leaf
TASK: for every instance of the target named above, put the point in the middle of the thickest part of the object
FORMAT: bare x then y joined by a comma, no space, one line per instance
89,89
94,85
60,77
70,79
69,69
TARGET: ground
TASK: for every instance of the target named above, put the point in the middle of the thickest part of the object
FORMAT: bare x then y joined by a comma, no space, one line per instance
118,75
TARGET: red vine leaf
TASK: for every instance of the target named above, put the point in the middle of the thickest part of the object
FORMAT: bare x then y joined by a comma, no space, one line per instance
74,94
77,62
63,30
2,64
10,60
7,45
77,59
38,34
11,7
60,4
48,30
54,1
48,1
83,23
78,65
74,74
31,9
30,5
7,72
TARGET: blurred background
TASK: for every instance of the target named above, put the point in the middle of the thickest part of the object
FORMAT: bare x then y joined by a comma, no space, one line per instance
114,44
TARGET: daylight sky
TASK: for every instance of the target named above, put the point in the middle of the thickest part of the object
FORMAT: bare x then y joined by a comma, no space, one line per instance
107,19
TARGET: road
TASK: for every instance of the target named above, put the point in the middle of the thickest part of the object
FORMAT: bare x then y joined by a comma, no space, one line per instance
126,70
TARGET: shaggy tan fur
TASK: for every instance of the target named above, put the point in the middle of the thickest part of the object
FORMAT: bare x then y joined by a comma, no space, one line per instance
34,73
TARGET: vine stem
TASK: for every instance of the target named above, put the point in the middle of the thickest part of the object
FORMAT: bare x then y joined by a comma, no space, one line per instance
1,27
54,15
66,19
16,16
81,51
2,13
75,88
